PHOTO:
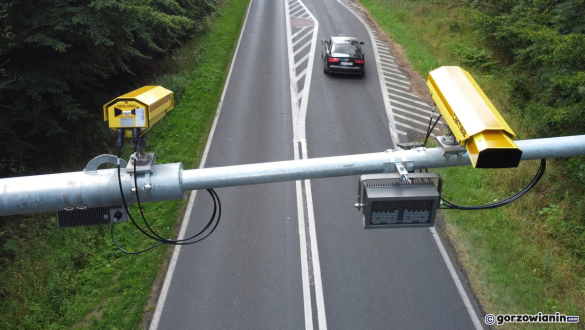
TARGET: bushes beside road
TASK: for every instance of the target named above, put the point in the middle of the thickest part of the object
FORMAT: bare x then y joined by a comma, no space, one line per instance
529,58
60,61
75,278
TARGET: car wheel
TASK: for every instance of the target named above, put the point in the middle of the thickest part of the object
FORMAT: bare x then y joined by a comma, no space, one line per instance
325,70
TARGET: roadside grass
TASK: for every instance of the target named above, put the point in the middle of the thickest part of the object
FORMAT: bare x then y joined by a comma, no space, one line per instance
75,278
524,257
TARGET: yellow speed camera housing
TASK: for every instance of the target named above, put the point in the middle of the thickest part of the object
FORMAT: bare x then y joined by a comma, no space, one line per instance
141,108
473,119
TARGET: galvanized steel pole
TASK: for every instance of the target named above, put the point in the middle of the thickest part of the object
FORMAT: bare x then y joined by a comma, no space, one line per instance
364,164
169,181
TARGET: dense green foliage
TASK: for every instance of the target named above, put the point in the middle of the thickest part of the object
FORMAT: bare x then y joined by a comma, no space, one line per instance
545,46
528,256
75,278
60,61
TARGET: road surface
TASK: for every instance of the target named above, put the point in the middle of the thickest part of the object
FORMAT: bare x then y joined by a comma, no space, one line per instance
294,255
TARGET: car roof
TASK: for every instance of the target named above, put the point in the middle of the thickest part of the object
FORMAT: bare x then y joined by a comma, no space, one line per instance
343,40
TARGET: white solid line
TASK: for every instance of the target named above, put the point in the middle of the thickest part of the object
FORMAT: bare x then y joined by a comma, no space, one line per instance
300,136
462,292
315,250
299,31
173,263
301,38
307,305
304,254
460,288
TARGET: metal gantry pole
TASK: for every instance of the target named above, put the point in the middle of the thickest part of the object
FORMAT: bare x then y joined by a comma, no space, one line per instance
84,189
327,167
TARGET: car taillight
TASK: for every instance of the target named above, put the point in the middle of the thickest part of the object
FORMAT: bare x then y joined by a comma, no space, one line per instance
333,60
359,61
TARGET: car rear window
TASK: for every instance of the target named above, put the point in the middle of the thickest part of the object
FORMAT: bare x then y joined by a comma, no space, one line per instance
345,49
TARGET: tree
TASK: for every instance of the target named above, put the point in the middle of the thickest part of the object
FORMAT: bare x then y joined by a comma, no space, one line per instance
61,60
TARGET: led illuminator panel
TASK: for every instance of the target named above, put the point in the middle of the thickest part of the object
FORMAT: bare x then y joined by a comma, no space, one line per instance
389,202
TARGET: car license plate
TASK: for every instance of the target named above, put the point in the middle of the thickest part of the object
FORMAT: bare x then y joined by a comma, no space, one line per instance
346,63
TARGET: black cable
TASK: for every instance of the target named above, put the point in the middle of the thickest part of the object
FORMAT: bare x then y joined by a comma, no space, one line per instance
129,215
171,241
211,191
129,252
126,204
430,122
432,128
503,202
156,237
451,206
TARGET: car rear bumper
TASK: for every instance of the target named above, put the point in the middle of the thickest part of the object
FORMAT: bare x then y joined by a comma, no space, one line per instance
346,69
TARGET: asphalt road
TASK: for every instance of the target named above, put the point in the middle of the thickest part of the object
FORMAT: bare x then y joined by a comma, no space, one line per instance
252,272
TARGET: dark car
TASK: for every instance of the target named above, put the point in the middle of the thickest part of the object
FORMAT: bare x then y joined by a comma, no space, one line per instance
343,55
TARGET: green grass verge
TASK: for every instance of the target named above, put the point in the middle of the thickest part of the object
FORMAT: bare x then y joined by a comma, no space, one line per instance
75,278
525,257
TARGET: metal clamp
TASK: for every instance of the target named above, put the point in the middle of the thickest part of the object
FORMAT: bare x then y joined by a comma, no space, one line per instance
93,164
399,164
451,148
143,163
402,171
450,145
